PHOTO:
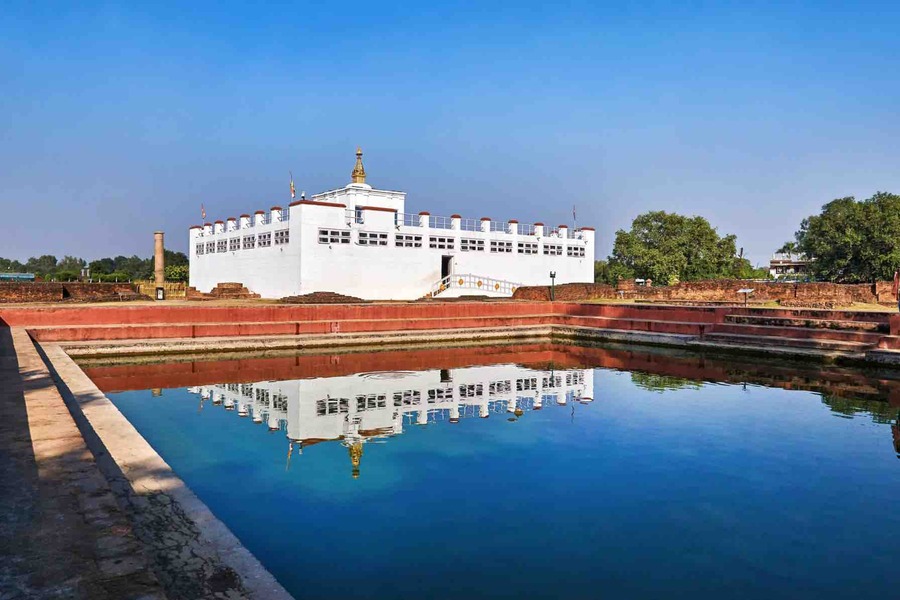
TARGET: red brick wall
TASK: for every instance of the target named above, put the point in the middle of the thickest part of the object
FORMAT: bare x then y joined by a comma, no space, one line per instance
566,292
30,292
722,290
57,292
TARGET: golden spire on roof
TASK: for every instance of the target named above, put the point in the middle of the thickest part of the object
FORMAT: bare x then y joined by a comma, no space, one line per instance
359,172
356,451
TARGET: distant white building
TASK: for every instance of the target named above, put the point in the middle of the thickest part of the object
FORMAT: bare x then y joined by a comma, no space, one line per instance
788,265
359,241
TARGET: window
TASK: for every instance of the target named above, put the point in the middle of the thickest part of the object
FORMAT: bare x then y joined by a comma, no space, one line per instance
441,242
282,237
554,381
262,397
528,247
440,394
222,246
575,378
471,390
210,247
249,242
528,383
370,402
471,245
247,390
234,244
501,246
334,236
577,251
500,387
403,240
264,240
200,248
407,398
553,249
332,406
371,238
279,402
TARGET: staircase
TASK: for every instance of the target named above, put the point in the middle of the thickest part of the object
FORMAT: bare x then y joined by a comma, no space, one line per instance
222,291
851,333
480,284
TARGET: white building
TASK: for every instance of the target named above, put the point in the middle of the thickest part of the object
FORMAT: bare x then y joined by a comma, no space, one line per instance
355,409
359,241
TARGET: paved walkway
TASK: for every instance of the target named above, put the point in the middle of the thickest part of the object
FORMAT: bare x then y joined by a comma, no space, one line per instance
62,535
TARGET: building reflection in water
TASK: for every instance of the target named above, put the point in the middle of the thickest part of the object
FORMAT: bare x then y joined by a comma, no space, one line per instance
355,409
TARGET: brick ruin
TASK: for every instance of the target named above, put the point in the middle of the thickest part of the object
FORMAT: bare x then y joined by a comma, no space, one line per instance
721,291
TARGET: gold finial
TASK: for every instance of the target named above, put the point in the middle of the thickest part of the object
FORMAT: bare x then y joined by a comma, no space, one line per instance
356,451
359,172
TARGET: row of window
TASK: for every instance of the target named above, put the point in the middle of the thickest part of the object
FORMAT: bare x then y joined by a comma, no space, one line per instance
406,240
248,242
331,406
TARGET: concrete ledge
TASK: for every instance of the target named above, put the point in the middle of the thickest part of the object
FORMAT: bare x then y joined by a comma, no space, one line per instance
293,342
195,555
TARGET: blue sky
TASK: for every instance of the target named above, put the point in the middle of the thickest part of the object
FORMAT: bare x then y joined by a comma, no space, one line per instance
120,119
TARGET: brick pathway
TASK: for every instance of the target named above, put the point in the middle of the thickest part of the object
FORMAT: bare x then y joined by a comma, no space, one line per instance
62,535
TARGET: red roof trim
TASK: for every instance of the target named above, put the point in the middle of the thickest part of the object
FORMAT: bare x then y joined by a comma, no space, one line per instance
538,224
424,214
195,227
562,226
220,222
231,219
207,224
381,208
513,221
588,229
245,216
275,208
456,216
311,203
485,218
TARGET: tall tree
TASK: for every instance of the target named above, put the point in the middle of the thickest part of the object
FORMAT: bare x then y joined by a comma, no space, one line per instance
853,241
41,265
668,247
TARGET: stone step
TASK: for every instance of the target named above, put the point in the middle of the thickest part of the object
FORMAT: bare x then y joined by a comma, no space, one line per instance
831,324
813,313
797,333
767,341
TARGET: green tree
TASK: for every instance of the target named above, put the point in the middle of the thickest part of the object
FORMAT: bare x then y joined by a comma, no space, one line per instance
789,248
71,263
9,265
41,265
667,247
851,241
176,272
102,266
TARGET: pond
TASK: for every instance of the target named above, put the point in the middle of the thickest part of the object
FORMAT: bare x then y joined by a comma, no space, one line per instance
538,471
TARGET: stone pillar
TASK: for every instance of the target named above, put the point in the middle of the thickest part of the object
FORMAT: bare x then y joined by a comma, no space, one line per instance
159,258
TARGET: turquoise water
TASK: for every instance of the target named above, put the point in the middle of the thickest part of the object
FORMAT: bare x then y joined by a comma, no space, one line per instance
590,483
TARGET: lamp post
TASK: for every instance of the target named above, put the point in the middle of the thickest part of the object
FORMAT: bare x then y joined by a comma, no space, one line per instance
552,285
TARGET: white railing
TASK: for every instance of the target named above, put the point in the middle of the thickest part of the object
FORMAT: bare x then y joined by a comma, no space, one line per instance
470,225
440,222
526,229
285,214
499,226
474,282
407,219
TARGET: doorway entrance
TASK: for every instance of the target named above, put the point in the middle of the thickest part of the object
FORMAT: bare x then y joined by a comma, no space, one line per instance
446,266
